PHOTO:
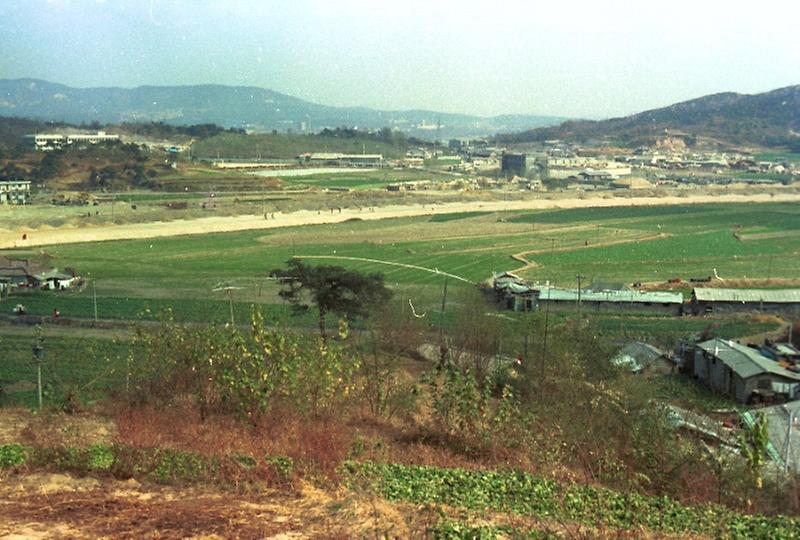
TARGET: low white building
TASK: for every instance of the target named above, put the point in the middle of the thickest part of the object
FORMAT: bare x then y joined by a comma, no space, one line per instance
55,141
15,191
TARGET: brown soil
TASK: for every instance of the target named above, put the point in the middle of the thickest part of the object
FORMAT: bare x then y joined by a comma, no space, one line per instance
57,506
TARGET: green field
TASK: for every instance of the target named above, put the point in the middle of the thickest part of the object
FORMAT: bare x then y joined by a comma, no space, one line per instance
287,146
779,156
91,367
623,244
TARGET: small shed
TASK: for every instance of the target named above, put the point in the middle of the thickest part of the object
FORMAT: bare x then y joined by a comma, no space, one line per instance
639,357
55,280
743,373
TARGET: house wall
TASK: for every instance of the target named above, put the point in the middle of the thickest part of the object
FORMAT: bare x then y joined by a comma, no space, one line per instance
588,306
720,378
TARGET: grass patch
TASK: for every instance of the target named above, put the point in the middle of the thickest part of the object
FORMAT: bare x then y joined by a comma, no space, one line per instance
443,218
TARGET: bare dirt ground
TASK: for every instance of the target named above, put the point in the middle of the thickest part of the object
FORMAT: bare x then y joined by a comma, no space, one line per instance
46,505
61,235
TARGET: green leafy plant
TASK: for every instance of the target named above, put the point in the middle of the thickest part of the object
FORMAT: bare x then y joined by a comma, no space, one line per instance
13,455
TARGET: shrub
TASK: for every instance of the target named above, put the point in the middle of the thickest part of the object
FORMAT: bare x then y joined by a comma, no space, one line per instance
13,455
224,370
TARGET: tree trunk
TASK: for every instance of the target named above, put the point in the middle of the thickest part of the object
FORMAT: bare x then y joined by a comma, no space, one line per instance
322,325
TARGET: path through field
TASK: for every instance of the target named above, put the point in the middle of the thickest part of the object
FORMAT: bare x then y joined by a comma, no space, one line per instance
66,235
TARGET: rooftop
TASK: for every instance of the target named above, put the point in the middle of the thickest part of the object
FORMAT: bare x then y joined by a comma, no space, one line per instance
571,295
637,355
744,361
747,295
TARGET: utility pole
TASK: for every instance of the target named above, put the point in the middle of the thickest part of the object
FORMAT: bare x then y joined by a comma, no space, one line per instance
579,278
544,339
264,199
38,357
788,444
230,303
441,321
94,298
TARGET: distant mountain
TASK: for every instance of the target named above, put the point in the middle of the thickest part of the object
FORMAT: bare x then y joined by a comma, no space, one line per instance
767,119
234,106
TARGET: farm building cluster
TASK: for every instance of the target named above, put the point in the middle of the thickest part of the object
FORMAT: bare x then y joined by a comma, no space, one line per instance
514,293
766,377
24,274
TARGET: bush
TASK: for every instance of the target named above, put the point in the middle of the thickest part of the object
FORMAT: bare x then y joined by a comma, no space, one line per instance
13,455
224,370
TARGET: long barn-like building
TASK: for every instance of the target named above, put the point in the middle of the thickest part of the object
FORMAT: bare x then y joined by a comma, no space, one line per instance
710,300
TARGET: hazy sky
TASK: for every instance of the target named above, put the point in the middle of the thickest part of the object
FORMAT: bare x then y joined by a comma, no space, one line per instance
561,57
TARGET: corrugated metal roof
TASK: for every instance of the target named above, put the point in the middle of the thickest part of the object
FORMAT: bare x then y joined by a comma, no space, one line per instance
515,288
747,295
744,361
637,355
571,295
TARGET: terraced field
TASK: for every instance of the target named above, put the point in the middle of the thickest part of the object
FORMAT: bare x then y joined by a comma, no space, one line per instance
624,244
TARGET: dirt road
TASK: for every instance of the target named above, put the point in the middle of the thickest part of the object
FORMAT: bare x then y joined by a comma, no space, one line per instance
65,235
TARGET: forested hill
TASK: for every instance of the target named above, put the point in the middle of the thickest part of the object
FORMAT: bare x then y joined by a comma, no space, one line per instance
767,119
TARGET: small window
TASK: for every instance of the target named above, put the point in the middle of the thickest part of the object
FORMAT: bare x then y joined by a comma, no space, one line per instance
764,384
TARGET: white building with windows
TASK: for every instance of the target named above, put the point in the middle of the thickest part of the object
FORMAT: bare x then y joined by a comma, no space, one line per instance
15,191
54,141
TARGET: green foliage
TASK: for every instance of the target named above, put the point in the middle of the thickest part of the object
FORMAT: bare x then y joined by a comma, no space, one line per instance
448,529
753,446
173,466
100,457
225,370
14,455
332,289
81,460
465,409
521,493
283,466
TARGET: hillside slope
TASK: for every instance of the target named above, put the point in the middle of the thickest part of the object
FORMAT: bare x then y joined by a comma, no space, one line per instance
767,119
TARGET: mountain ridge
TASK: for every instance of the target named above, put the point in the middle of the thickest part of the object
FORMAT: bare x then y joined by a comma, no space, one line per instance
770,119
252,107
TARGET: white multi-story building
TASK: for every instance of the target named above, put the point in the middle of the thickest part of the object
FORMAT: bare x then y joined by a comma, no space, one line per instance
15,191
55,141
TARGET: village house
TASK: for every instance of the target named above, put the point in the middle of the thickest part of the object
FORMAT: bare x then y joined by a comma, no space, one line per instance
743,373
606,300
709,300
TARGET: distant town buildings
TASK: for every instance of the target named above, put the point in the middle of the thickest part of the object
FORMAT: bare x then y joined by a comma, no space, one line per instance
55,141
513,164
15,192
332,159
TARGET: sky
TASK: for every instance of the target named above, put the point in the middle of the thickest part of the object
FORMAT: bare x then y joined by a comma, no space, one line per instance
591,59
